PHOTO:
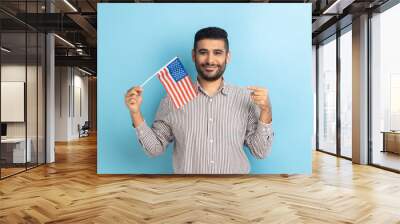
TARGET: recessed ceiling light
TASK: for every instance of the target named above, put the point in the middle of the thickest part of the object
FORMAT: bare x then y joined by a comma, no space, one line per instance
70,5
64,40
5,50
337,7
84,71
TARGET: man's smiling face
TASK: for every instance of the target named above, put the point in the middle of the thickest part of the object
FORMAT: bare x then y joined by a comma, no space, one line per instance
210,57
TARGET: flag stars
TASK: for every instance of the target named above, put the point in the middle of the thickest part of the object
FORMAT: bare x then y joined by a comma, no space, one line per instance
176,70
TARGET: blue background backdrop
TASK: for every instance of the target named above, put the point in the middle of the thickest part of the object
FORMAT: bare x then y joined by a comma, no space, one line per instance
270,46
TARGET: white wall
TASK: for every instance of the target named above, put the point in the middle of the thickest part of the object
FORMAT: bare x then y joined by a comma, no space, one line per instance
61,103
71,94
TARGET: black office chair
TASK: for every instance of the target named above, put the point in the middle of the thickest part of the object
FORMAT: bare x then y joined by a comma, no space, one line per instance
84,130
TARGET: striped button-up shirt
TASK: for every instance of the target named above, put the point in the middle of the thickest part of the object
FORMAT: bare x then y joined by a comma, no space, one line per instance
209,132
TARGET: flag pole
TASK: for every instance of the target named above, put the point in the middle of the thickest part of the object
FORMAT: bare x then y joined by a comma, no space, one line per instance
148,79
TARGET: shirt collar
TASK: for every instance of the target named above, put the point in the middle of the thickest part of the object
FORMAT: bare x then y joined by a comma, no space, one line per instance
223,88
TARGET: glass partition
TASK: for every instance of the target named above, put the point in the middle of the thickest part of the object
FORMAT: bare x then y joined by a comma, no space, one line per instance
22,77
13,104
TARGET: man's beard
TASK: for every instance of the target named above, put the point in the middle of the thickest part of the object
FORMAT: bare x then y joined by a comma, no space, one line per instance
216,76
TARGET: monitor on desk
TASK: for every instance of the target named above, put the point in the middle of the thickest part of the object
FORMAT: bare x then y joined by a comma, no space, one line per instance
3,130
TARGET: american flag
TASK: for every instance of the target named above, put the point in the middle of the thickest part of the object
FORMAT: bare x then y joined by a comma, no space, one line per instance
177,82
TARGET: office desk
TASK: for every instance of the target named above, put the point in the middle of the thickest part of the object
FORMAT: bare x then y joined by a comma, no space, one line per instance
16,147
391,141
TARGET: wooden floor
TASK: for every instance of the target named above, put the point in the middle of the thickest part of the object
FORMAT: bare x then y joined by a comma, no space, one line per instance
5,172
70,191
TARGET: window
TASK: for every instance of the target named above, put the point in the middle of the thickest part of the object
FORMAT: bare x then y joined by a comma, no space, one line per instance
385,88
346,93
327,96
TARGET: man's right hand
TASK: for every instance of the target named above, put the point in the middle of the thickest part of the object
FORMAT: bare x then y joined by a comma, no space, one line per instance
133,99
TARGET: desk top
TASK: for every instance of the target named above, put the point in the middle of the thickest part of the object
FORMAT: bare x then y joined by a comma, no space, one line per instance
391,132
13,140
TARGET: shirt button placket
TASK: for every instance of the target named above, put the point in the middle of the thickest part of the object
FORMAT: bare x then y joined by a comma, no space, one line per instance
210,139
209,123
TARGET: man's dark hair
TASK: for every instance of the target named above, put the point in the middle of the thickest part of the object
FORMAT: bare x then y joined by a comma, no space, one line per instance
211,33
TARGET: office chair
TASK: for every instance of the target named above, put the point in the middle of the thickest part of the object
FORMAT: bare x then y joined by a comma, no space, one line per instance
84,130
